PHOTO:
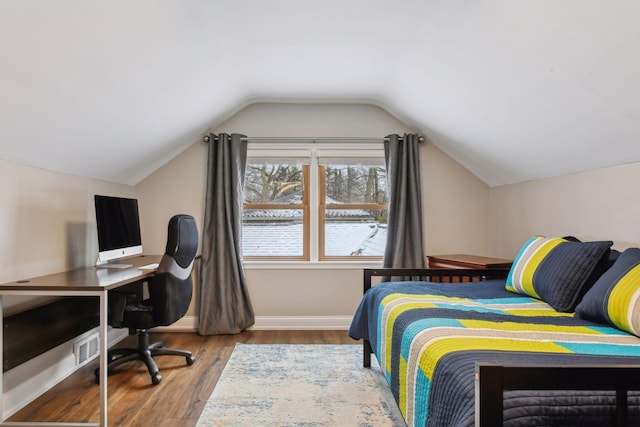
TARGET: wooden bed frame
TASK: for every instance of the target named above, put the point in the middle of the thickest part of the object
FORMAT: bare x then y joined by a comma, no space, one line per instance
492,380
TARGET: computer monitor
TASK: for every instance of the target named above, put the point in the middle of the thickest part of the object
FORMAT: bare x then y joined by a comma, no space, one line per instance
118,226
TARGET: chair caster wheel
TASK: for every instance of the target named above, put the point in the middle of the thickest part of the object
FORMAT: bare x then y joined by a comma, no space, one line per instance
190,360
156,378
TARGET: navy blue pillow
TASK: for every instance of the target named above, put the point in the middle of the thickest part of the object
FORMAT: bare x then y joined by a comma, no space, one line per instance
579,258
556,270
603,265
615,297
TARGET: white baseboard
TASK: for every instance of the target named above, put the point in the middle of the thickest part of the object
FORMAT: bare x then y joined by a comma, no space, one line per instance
302,323
26,382
266,323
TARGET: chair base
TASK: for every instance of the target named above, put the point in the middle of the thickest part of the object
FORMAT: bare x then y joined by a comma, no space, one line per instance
145,352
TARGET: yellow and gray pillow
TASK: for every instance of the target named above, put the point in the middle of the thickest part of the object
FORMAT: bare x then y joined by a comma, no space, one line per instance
615,297
556,270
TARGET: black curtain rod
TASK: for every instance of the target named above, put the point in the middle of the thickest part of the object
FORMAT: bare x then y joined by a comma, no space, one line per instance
206,138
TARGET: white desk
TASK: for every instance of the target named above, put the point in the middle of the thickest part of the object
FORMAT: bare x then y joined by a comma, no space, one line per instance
89,281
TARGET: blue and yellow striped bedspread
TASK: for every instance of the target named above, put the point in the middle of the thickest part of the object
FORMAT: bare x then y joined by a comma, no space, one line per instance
428,336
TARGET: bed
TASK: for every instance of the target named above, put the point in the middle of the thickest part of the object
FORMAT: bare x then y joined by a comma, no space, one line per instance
473,353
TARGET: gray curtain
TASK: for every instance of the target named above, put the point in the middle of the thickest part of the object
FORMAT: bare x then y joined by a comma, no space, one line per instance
404,237
225,307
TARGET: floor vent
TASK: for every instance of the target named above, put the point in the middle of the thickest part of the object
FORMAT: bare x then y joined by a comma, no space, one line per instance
86,349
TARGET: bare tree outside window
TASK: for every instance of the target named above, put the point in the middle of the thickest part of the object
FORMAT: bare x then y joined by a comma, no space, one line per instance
356,184
266,183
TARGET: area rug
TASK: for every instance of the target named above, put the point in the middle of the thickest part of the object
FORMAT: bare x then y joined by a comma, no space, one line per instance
300,385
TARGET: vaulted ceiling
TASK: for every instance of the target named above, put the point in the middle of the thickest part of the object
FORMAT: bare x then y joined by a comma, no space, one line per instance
513,90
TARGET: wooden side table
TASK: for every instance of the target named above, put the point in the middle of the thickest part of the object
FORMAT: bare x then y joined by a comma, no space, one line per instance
467,261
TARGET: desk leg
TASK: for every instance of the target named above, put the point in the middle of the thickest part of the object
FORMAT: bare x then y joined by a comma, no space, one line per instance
1,352
104,347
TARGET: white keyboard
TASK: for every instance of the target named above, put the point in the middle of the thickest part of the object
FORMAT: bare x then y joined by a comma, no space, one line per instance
151,266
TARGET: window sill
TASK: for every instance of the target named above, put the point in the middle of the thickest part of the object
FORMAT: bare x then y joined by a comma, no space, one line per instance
311,265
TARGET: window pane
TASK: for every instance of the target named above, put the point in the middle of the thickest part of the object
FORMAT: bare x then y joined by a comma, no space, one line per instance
356,184
272,233
355,232
273,183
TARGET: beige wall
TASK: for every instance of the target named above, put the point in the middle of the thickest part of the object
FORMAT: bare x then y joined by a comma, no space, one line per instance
177,187
456,203
594,205
47,223
456,207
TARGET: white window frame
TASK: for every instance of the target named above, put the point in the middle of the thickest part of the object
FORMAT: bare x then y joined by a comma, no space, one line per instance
310,153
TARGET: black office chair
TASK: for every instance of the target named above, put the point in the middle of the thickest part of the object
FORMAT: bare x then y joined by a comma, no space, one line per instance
170,291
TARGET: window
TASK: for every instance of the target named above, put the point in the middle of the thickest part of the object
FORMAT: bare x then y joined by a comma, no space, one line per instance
353,209
275,219
315,204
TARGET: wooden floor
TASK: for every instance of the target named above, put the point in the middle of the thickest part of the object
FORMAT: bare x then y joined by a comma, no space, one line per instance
178,400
